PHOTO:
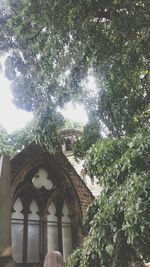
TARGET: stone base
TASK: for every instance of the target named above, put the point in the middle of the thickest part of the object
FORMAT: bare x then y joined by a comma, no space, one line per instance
7,262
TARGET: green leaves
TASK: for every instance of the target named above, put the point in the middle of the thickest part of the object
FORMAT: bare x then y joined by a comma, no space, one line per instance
52,48
13,143
119,206
109,37
118,220
47,124
91,134
5,144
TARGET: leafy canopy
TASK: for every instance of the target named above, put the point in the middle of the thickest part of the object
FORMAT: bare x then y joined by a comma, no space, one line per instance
52,48
5,145
12,143
118,220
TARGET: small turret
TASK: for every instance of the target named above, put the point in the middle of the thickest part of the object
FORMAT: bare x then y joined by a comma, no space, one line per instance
69,136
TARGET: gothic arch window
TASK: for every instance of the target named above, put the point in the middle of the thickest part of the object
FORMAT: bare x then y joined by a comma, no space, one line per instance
25,232
41,220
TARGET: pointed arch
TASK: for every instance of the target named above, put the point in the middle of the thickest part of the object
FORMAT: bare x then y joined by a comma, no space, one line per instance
33,238
52,228
66,186
17,226
66,232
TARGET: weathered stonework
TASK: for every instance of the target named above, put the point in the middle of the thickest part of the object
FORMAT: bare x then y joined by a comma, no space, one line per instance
67,185
33,155
5,214
85,195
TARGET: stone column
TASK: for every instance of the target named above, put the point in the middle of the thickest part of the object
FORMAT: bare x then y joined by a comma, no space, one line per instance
5,214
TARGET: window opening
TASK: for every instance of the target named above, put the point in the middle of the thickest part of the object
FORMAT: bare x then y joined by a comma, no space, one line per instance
17,227
52,228
66,232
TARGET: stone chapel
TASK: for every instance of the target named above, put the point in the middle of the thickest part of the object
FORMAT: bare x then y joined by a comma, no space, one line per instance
42,201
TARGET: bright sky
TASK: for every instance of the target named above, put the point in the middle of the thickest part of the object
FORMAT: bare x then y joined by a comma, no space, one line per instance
12,118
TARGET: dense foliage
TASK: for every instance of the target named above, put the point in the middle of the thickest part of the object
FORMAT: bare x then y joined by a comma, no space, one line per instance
91,133
13,143
51,49
5,145
73,124
118,220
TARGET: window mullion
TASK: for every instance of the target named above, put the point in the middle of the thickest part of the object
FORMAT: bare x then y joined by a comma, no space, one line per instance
42,233
60,232
25,236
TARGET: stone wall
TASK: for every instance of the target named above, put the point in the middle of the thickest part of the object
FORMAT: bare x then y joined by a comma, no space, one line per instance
5,214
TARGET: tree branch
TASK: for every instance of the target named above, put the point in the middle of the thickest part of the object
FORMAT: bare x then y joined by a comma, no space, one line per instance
36,34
